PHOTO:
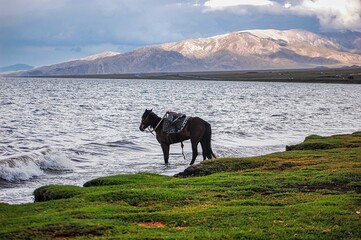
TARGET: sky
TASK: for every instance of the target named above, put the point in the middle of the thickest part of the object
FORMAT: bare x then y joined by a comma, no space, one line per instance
45,32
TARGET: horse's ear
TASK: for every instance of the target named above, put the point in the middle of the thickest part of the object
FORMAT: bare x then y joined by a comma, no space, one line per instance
151,110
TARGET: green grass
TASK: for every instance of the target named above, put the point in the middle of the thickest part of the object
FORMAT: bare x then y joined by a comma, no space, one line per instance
308,192
335,75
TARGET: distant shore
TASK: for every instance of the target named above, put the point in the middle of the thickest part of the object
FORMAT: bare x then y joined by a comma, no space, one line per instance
339,76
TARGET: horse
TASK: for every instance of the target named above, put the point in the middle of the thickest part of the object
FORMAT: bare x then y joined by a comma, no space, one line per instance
196,129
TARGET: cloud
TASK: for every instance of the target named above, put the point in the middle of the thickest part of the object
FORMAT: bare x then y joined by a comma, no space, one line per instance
85,27
339,15
222,4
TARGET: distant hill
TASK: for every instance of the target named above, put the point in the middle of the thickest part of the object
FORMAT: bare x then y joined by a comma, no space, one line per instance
16,67
244,50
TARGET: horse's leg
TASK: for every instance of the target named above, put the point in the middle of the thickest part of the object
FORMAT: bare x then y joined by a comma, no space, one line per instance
204,148
207,141
165,149
194,150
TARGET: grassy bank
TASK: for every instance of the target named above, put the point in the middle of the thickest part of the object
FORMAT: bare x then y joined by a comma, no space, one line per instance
311,191
338,75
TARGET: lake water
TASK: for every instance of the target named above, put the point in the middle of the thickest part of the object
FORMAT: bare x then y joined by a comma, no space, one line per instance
68,131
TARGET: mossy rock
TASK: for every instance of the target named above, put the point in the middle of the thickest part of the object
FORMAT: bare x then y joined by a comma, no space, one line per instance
53,192
311,146
221,165
126,179
316,142
313,136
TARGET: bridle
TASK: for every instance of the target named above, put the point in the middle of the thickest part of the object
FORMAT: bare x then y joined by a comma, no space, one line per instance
152,130
143,120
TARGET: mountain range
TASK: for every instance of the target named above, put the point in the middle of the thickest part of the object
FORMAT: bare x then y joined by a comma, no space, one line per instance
15,67
243,50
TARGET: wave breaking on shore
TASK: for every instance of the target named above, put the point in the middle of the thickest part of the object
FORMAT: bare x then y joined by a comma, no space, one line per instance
23,167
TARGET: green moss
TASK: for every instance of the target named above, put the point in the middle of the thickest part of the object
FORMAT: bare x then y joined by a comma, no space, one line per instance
315,142
222,165
126,179
53,192
298,194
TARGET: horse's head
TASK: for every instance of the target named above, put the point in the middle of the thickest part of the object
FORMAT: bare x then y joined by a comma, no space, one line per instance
145,120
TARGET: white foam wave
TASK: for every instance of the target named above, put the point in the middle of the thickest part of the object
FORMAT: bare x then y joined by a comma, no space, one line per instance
18,169
24,167
55,161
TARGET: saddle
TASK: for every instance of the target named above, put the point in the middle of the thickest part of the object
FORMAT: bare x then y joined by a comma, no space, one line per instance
174,122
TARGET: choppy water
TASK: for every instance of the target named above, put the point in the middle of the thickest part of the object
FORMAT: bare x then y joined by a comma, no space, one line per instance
68,131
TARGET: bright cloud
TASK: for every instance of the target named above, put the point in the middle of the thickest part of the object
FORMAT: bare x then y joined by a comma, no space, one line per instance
287,5
332,15
340,14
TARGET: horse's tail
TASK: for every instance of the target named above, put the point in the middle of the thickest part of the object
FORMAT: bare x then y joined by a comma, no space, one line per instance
208,138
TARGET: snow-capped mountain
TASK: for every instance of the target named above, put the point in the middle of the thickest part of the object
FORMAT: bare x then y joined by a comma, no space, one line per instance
348,39
253,42
253,49
292,48
100,55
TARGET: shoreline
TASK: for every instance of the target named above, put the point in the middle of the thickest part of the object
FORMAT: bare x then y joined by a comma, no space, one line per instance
312,190
335,76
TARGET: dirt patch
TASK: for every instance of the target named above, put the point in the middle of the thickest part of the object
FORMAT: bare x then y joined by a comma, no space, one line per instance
152,225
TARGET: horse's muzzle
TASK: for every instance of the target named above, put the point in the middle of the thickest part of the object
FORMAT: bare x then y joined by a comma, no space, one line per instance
141,128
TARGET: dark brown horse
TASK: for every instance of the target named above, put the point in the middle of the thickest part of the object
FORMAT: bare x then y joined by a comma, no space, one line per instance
196,129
